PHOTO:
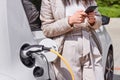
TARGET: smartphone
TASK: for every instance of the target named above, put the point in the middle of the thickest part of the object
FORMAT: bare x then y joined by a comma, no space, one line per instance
90,9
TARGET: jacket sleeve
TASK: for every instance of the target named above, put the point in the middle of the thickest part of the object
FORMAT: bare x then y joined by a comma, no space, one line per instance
98,18
50,26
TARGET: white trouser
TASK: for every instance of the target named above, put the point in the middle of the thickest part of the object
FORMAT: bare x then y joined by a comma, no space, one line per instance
86,67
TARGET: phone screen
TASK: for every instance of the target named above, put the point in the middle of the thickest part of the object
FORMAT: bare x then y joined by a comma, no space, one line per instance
90,9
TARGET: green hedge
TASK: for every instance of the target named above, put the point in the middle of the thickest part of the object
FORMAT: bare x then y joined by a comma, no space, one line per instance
109,8
110,11
108,2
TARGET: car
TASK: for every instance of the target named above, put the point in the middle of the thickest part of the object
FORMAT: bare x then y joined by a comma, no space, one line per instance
15,34
107,49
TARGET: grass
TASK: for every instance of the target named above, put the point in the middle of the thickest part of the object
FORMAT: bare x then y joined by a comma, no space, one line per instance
110,11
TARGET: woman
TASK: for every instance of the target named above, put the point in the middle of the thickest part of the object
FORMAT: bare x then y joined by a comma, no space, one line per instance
66,22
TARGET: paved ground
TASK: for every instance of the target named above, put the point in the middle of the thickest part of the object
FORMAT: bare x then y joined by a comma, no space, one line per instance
114,30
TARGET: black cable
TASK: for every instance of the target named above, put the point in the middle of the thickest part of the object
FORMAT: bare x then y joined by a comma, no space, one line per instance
47,65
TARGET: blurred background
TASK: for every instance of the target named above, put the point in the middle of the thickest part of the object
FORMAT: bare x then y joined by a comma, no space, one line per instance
109,8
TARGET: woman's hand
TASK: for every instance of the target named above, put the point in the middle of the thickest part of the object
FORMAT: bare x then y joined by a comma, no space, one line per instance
77,18
91,18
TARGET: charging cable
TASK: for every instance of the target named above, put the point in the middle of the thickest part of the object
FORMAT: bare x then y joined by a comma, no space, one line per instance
65,62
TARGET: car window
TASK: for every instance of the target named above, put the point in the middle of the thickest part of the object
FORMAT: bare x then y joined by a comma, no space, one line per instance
32,10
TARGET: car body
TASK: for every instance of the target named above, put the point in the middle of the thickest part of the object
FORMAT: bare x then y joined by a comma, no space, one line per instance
15,32
107,52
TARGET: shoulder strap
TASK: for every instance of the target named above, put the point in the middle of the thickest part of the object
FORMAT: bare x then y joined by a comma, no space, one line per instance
97,41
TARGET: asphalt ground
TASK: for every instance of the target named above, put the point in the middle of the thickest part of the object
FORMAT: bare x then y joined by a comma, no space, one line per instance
113,29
